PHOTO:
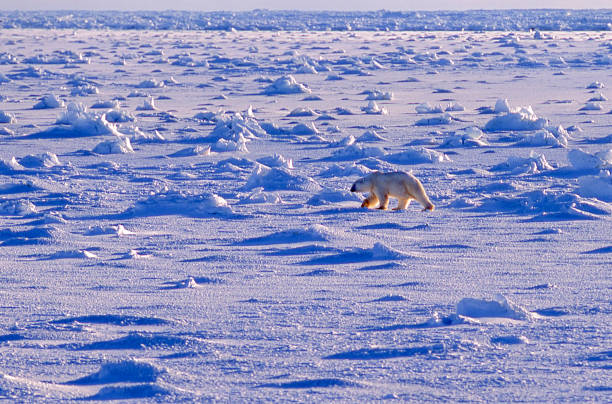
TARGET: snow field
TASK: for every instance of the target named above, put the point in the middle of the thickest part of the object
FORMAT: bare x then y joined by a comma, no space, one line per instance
160,242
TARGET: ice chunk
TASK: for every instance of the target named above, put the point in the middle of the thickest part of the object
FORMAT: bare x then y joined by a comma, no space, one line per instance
45,159
499,307
49,101
278,178
285,85
524,119
120,145
5,117
417,155
374,109
582,160
427,108
533,164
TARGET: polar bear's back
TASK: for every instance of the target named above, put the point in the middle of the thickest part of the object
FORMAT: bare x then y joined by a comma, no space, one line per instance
398,177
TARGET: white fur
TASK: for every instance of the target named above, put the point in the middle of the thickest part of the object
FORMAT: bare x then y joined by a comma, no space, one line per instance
403,186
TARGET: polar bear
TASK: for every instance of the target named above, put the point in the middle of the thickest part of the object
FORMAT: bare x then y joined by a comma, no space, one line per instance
398,184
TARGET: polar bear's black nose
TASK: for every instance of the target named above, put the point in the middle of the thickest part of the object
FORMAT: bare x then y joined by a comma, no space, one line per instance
353,188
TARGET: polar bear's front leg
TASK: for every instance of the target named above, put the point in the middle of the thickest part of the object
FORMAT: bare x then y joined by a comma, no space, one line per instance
370,201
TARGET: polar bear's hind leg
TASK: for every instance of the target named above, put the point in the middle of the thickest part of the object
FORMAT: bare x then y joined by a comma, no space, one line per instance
403,203
385,202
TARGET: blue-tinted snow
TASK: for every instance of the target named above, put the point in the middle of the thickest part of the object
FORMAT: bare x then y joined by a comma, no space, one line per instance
270,20
222,256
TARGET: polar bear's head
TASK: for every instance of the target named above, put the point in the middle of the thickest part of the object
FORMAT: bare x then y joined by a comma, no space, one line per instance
362,185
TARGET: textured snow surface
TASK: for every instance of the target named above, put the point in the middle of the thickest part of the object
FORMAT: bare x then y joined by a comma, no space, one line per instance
261,19
176,221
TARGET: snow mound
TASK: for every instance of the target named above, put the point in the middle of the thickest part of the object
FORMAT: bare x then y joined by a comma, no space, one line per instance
598,97
182,203
138,136
224,145
117,115
120,145
6,131
599,187
390,298
189,283
373,109
259,196
355,152
591,106
126,371
344,111
73,254
150,83
378,252
118,230
468,137
207,116
454,107
129,392
347,170
510,340
139,341
502,106
443,119
17,208
235,127
371,136
312,233
302,111
285,85
10,166
105,104
331,196
582,160
533,164
49,101
427,108
276,160
378,95
137,93
313,384
523,119
543,137
76,121
595,85
417,155
34,235
546,205
345,141
84,90
5,117
499,307
192,151
44,160
305,129
147,105
279,178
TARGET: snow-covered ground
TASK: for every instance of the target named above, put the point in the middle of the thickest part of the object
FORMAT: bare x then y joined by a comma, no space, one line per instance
176,222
